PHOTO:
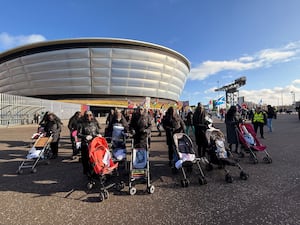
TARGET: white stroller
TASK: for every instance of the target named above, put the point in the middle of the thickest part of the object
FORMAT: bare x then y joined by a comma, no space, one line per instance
39,150
185,158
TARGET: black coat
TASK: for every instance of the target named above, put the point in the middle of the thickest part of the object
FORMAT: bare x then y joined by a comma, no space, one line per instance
86,128
141,124
231,122
114,121
172,124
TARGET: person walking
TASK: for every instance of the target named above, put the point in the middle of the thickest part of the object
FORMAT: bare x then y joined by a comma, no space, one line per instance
270,116
118,118
172,123
88,128
72,125
231,122
53,127
140,126
200,129
259,120
189,122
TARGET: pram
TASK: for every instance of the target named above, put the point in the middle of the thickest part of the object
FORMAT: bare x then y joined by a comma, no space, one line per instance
118,145
250,143
39,150
219,155
185,157
140,168
102,165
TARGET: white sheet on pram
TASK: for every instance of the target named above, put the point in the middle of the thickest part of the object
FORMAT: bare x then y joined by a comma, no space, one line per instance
106,158
184,157
248,137
33,153
139,158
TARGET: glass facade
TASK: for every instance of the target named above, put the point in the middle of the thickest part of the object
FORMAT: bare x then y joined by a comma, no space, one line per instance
134,69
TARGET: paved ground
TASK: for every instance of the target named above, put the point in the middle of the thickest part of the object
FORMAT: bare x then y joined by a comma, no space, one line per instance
57,193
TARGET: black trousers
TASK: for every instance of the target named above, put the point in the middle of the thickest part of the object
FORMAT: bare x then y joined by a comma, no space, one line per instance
257,125
201,140
85,159
54,148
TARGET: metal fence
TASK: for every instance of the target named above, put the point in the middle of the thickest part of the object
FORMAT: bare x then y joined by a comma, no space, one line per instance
18,110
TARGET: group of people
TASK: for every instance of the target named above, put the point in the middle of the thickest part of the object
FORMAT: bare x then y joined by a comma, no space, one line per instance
85,127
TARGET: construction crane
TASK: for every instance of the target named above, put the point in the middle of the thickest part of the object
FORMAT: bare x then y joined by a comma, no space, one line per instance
231,89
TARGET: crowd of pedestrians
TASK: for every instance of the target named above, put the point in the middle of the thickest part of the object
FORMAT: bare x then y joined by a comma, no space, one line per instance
84,126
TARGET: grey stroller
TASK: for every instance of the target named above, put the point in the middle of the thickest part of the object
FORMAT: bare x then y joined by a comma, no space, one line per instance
219,155
185,158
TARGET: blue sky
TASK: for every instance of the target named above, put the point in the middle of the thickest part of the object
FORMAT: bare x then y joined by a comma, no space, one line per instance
223,39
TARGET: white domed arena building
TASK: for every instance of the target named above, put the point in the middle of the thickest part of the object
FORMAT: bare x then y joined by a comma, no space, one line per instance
99,72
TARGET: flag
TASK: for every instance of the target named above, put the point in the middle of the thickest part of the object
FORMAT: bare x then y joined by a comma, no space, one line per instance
220,100
260,102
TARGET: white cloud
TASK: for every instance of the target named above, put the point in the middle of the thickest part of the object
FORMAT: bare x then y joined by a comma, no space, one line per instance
263,58
296,82
8,41
275,96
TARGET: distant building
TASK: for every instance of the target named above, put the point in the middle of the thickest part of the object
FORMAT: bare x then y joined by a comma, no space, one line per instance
94,71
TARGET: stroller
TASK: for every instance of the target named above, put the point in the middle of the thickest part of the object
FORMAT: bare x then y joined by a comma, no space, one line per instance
250,143
219,155
140,168
118,146
39,150
102,166
185,158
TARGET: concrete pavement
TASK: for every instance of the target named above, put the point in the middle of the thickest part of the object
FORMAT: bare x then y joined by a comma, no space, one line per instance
57,193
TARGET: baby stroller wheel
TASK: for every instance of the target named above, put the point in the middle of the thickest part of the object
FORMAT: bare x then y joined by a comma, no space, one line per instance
202,181
105,194
243,175
151,189
19,171
90,185
101,197
120,186
34,170
185,183
267,160
132,191
228,178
